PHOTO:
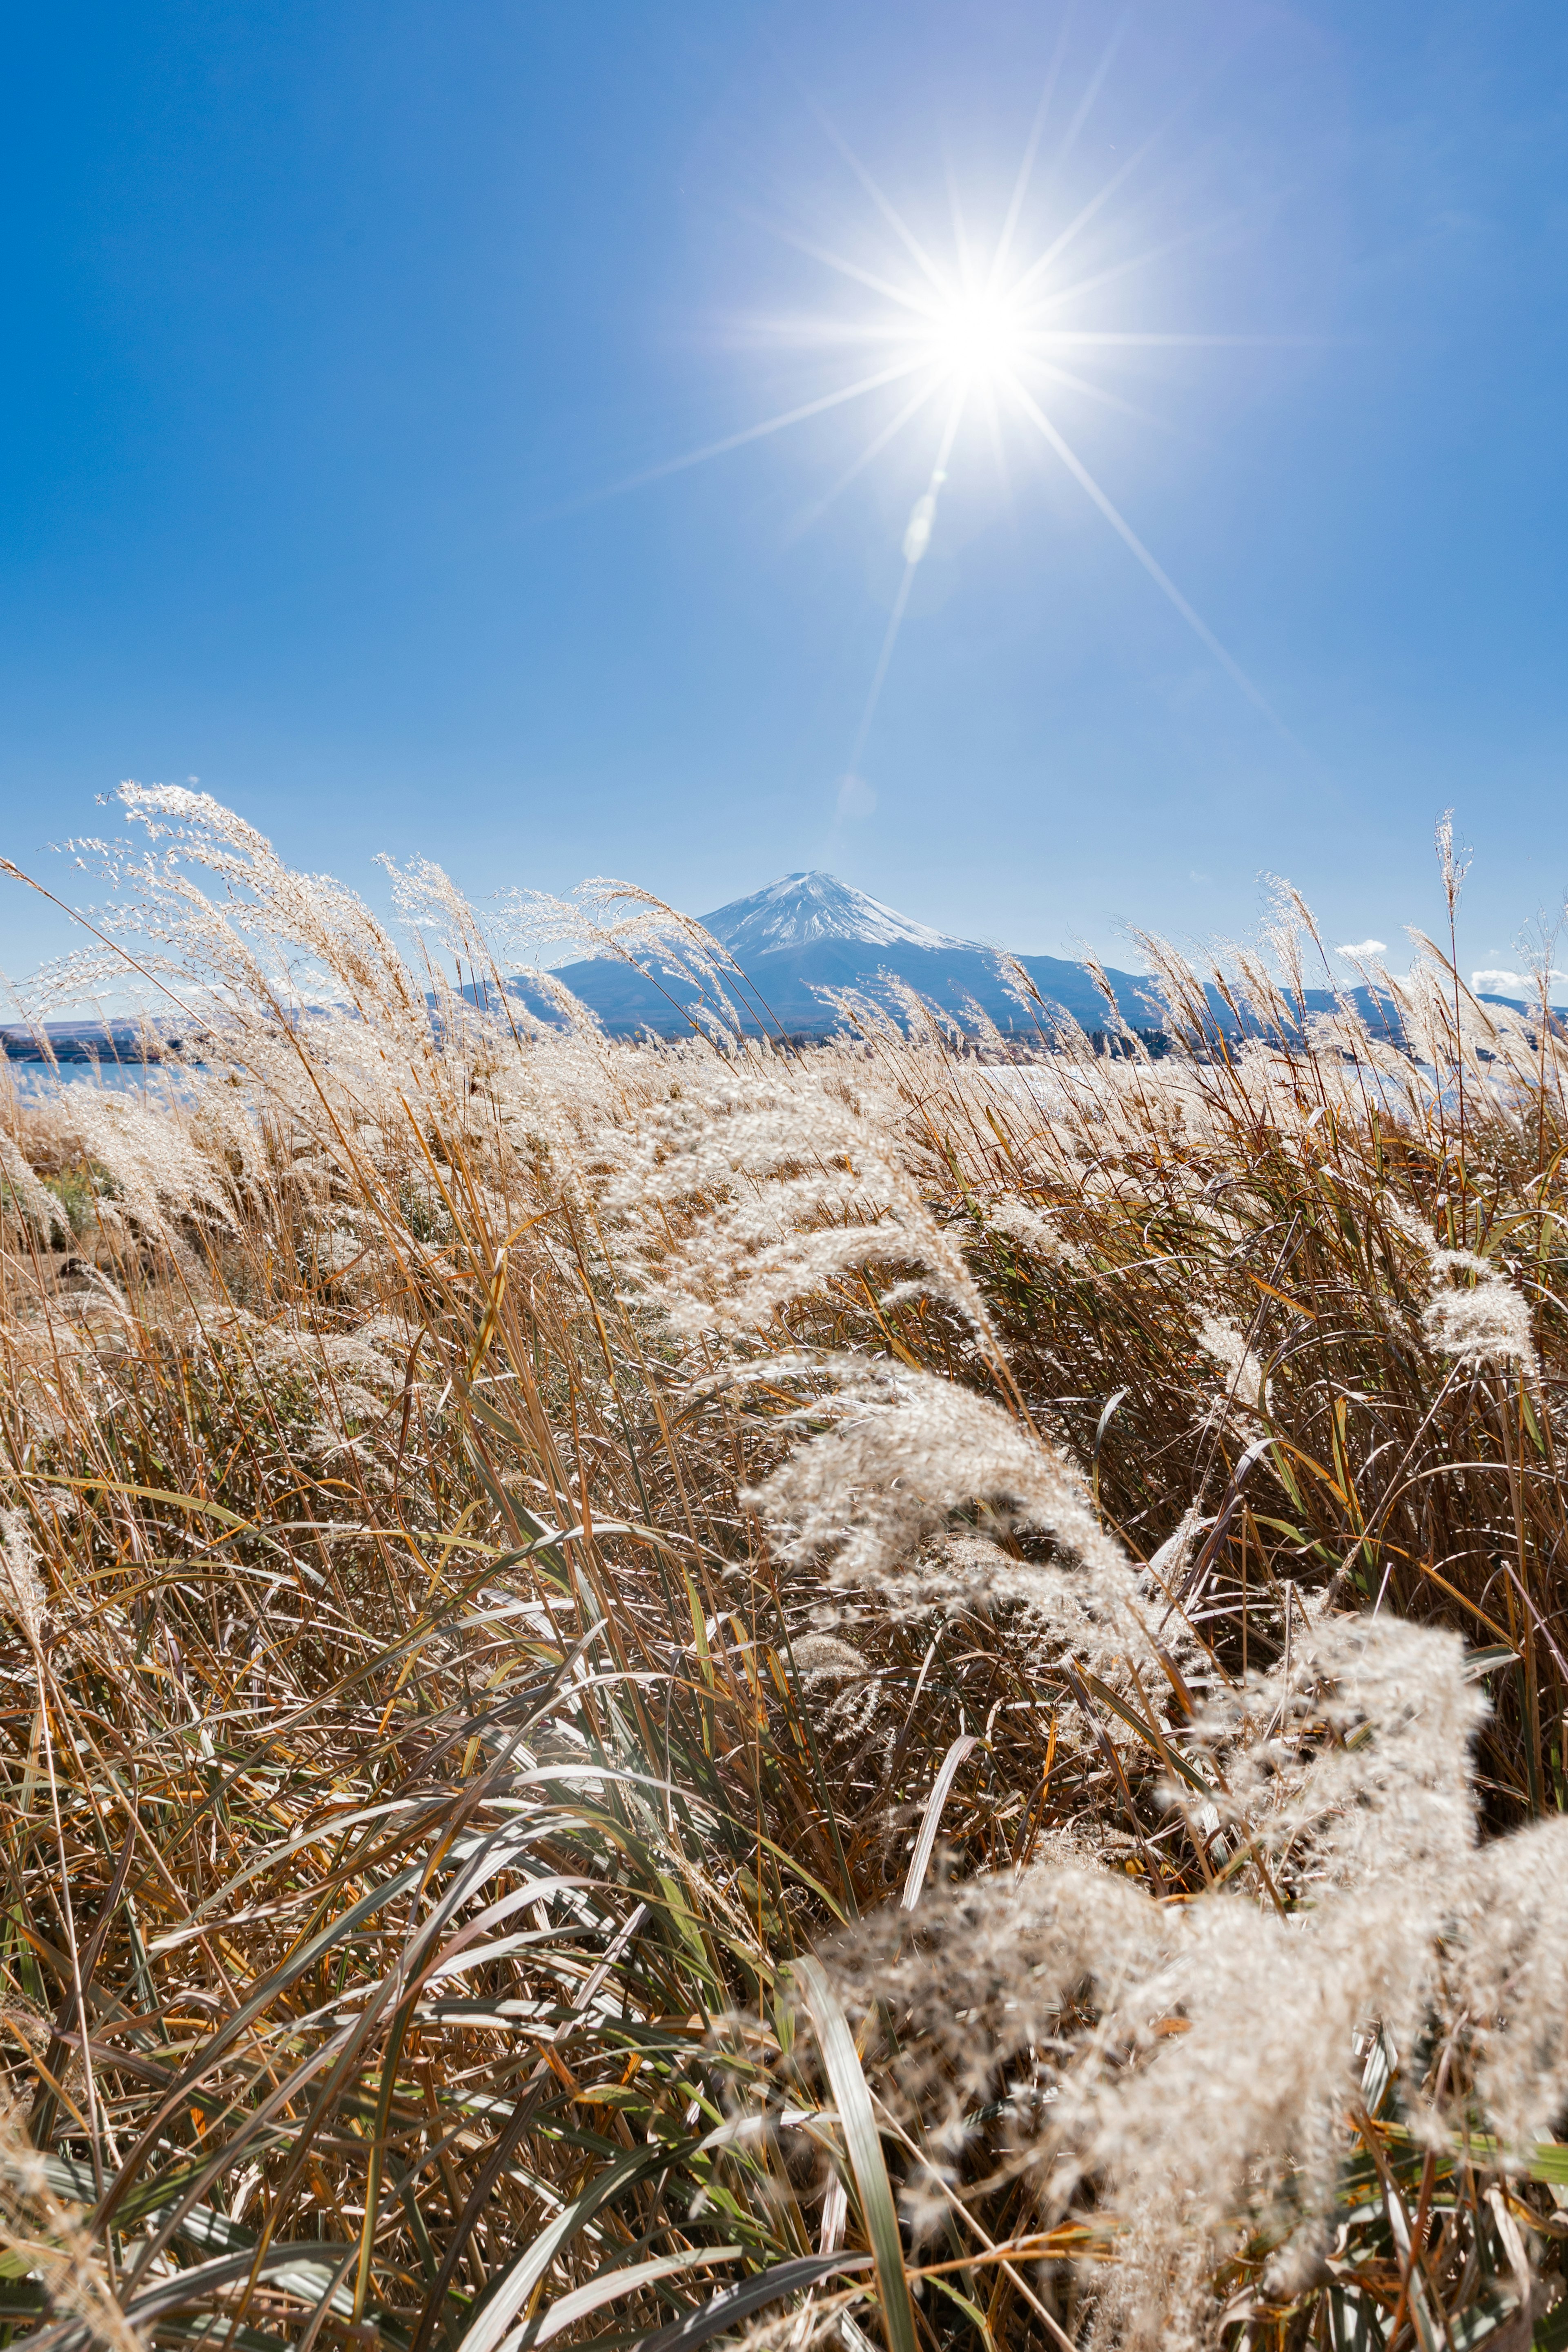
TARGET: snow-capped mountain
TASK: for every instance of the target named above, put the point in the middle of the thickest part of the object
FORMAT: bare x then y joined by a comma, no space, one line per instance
807,941
807,938
799,910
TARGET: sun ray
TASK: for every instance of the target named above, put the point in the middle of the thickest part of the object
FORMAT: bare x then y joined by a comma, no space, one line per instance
914,549
992,412
771,424
1086,213
974,323
1129,537
1085,103
804,332
1116,269
1077,336
961,245
884,286
873,449
1119,177
1031,150
894,219
1106,398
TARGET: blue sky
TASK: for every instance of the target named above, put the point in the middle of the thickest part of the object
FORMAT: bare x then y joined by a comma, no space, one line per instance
333,331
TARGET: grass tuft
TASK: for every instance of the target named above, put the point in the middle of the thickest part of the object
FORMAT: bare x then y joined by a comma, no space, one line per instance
914,1691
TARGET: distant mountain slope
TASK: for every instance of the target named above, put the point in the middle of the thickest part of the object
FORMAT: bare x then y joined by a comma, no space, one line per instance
798,938
95,1041
807,933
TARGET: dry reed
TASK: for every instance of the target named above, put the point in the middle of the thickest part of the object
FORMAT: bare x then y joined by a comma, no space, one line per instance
914,1690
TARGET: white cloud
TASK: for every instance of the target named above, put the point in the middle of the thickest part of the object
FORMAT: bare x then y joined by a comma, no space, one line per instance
1362,948
1517,983
855,798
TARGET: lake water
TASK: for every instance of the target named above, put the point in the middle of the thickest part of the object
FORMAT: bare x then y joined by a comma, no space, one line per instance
158,1083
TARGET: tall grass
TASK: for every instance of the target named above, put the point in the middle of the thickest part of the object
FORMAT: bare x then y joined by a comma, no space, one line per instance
914,1691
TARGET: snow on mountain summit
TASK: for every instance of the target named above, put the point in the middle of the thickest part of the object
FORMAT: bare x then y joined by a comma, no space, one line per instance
801,908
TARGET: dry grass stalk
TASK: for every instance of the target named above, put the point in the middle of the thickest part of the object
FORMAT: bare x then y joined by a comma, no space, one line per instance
504,1529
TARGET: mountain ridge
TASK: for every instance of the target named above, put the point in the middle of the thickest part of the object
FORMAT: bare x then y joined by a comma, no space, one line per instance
799,941
806,937
808,932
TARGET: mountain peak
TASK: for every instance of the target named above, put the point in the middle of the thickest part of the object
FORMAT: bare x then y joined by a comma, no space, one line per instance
800,908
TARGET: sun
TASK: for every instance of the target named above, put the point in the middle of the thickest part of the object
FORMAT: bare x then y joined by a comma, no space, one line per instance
987,330
979,337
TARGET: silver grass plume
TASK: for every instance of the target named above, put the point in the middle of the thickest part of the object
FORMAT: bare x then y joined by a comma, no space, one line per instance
21,1191
47,2238
1196,2063
743,1189
1488,1322
901,1454
22,1595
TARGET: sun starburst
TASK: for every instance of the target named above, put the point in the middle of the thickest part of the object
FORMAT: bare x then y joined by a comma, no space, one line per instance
988,332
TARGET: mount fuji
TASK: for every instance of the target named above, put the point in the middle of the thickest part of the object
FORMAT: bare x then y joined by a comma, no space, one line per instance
809,932
802,908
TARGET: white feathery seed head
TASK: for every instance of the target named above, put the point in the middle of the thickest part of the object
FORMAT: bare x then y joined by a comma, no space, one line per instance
22,1595
1488,1323
737,1192
21,1191
904,1455
1227,1347
1197,2062
1029,1227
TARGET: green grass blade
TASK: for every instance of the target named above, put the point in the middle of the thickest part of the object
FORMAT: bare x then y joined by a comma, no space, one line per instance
611,2285
512,2291
734,2303
865,2146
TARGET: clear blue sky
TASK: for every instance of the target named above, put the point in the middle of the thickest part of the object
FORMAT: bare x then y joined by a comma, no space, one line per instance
330,328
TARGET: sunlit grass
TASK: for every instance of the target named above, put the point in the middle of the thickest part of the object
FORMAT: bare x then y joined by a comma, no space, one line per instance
427,1755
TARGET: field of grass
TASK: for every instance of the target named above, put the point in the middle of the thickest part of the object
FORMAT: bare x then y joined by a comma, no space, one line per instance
910,1693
